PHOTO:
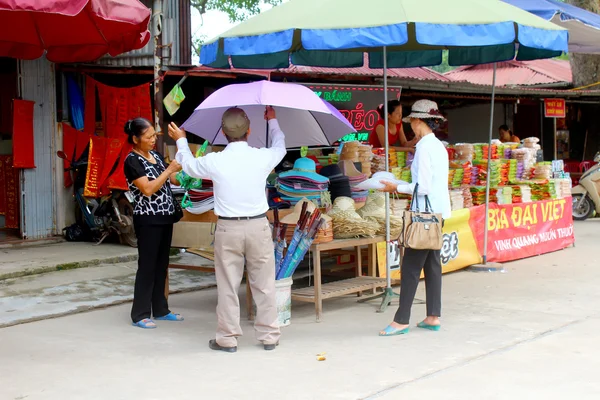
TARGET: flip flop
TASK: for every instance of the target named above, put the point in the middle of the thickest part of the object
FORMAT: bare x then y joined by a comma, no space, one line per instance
391,331
145,323
170,317
423,325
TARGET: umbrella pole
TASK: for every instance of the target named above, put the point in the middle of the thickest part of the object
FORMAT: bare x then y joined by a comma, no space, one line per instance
388,295
489,167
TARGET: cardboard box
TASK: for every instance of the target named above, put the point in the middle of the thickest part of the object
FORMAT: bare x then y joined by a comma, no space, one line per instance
194,235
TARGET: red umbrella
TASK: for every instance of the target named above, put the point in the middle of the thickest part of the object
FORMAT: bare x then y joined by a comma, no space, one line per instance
72,30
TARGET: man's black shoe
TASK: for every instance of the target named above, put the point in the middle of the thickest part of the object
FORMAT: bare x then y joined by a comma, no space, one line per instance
270,347
215,346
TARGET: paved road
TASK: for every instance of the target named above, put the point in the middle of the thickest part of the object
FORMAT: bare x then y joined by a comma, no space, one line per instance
529,333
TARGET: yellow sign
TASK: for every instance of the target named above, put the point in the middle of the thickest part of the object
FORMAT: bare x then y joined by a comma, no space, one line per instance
459,249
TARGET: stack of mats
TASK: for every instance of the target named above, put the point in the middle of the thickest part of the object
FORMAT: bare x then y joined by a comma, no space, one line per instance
485,149
513,169
467,173
457,178
542,170
401,157
478,193
457,201
406,175
464,152
302,181
467,197
565,187
355,177
202,199
393,159
378,164
504,195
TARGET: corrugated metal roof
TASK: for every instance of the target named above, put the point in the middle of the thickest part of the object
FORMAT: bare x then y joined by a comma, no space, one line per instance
424,74
516,73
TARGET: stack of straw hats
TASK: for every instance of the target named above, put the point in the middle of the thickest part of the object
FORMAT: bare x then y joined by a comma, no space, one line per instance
350,151
365,154
374,210
347,223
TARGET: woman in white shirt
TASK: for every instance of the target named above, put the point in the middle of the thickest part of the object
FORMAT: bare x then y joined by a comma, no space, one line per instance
430,171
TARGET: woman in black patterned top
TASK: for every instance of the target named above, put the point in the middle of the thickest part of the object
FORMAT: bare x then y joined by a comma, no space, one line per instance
149,180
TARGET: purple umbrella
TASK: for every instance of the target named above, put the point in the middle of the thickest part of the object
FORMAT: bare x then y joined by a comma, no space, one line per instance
304,117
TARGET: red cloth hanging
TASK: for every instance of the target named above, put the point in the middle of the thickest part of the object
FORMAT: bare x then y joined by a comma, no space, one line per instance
69,143
22,134
119,105
117,180
89,117
11,190
95,166
113,152
2,186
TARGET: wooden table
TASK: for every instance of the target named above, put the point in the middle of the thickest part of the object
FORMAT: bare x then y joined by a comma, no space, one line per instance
357,285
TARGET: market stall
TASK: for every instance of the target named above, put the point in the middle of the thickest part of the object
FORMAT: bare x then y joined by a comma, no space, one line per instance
530,213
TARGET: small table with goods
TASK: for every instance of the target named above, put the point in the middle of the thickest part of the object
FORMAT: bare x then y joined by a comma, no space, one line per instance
319,291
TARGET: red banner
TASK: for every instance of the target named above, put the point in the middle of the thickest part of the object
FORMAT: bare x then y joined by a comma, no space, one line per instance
117,180
119,105
11,192
517,231
89,123
95,165
23,151
2,186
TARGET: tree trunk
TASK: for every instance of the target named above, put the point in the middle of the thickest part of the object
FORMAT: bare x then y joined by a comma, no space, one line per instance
585,67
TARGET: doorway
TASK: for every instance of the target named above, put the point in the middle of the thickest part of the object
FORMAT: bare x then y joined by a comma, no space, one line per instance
9,177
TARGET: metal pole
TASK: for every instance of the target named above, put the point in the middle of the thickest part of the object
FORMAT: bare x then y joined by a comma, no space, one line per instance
157,10
388,274
555,147
489,165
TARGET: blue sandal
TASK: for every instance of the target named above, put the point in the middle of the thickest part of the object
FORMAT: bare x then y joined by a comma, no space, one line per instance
391,331
146,323
170,317
423,325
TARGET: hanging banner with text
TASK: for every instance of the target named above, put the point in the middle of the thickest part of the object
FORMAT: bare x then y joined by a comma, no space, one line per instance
358,104
517,231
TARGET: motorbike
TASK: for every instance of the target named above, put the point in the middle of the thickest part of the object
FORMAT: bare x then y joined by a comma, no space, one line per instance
586,195
104,215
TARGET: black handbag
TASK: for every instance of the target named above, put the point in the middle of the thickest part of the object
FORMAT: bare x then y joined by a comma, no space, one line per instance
178,210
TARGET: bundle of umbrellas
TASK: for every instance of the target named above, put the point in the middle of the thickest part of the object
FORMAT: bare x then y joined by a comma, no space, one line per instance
304,234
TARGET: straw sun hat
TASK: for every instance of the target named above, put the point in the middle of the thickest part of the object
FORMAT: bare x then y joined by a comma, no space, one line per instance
424,109
347,223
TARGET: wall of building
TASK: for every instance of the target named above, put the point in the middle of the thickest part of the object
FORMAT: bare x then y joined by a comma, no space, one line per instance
471,124
38,205
171,34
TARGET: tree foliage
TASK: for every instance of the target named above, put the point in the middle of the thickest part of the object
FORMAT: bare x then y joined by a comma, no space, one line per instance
236,10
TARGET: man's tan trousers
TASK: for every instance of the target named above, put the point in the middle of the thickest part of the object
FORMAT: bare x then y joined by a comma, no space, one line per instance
249,242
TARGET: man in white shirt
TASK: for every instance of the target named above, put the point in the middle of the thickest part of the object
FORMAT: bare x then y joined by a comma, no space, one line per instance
243,234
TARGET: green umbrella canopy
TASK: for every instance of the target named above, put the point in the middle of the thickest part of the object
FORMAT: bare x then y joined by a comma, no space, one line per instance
335,33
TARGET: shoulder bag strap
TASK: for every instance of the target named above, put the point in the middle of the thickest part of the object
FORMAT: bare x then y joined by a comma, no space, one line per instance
415,200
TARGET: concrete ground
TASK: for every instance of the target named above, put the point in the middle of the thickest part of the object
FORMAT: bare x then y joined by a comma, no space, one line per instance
18,261
528,333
